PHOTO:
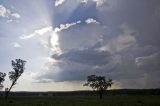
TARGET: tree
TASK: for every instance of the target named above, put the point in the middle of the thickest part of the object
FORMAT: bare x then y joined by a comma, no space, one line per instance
98,83
18,69
2,76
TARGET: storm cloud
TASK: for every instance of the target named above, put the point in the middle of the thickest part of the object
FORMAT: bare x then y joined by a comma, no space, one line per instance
124,45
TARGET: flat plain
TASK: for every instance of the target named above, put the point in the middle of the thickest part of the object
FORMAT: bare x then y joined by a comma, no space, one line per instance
112,100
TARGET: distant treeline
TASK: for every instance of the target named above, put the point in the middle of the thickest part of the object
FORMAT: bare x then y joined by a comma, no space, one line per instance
88,93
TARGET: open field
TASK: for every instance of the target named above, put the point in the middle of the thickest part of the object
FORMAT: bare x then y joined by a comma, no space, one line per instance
123,100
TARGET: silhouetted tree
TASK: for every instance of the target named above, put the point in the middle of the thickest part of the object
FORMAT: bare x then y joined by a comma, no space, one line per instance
2,76
98,83
18,69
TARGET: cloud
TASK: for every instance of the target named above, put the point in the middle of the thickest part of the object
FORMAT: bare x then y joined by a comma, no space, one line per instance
78,62
8,14
43,81
125,40
86,56
27,36
99,2
65,26
59,2
117,62
44,30
36,32
84,1
10,20
16,15
3,11
91,20
124,47
54,40
103,5
16,45
83,54
149,63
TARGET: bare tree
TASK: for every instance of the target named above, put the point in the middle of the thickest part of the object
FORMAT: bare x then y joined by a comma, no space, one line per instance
98,83
18,69
2,76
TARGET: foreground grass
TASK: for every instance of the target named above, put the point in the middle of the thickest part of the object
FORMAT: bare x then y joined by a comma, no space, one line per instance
125,100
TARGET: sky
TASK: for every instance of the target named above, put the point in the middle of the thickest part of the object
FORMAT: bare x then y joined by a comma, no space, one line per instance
64,41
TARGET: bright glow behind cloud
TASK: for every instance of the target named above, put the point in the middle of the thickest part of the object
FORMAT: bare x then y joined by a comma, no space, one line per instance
55,43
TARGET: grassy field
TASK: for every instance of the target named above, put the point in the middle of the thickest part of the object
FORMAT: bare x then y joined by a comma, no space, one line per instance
125,100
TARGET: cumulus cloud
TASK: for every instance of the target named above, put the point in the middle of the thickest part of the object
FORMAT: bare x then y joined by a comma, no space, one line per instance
91,20
3,11
59,2
7,13
126,49
84,55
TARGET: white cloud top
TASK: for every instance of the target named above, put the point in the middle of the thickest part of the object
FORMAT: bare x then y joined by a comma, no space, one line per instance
91,20
65,26
59,2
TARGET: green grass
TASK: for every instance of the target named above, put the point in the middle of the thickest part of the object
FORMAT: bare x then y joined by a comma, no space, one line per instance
125,100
